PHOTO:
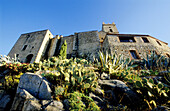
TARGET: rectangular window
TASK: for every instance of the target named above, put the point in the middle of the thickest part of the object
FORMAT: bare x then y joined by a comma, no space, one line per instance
126,39
145,40
134,54
167,55
25,46
159,43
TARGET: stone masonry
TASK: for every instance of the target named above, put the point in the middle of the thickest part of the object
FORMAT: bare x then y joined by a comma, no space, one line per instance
36,46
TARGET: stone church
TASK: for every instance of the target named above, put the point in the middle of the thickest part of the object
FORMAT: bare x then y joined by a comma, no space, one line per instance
39,45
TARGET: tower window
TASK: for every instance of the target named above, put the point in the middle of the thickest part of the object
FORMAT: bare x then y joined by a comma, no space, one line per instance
159,43
145,40
25,46
126,39
111,30
167,55
134,54
17,55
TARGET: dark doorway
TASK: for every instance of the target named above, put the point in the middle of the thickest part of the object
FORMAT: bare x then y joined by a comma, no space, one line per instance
28,58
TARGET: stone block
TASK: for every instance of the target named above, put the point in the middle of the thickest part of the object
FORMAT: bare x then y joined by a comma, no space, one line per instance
35,85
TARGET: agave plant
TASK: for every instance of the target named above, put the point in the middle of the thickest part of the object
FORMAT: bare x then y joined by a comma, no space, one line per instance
156,62
112,63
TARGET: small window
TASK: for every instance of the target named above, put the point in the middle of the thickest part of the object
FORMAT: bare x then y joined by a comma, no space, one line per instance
111,30
29,58
159,43
167,55
127,39
134,54
25,46
17,55
145,40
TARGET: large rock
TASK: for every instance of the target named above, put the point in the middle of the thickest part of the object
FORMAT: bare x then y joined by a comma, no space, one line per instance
121,91
35,85
5,99
52,105
24,101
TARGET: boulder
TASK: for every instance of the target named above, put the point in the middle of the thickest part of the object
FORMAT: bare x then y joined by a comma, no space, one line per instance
5,99
35,85
105,76
161,108
52,105
66,104
121,91
24,101
96,99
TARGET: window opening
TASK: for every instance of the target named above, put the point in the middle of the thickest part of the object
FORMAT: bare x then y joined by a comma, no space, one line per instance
25,46
29,58
158,43
111,30
134,54
17,55
167,55
145,40
127,39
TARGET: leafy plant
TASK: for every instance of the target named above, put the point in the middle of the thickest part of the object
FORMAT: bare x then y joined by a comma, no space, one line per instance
72,74
156,62
114,63
63,50
80,102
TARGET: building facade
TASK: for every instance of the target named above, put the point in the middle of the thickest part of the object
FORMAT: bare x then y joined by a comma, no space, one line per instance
41,45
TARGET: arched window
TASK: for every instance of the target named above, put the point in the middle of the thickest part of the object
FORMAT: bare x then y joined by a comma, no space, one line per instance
28,58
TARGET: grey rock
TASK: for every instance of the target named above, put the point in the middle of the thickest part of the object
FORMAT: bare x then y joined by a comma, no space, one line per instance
55,106
105,76
66,104
44,91
110,97
31,106
35,85
99,92
4,101
120,89
2,92
25,101
96,99
107,84
161,108
51,105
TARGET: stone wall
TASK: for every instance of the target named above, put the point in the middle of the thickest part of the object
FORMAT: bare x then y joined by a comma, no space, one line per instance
113,44
69,39
53,46
41,44
89,43
34,43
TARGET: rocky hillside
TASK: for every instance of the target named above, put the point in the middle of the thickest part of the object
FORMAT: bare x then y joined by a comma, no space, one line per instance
106,84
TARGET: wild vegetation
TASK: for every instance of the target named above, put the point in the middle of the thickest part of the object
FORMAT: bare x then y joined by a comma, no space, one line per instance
76,78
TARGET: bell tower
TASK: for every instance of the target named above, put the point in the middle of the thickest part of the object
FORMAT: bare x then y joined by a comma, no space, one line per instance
110,28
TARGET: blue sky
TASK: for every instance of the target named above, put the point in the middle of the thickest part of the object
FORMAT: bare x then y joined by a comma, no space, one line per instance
64,17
